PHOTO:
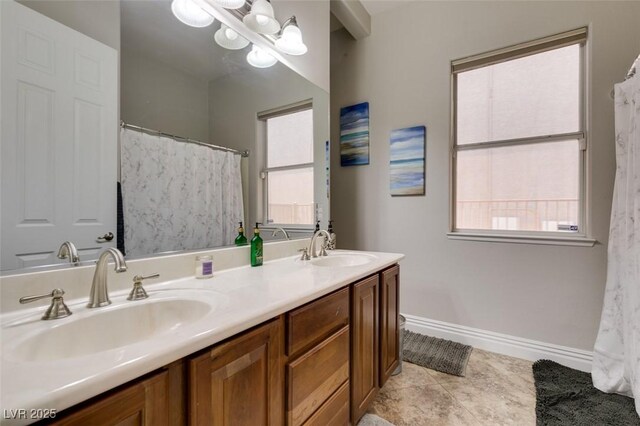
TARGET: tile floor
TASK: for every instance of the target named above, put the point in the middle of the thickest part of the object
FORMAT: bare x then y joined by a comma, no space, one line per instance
497,390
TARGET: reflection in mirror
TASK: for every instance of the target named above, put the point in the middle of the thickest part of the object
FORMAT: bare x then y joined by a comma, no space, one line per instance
71,172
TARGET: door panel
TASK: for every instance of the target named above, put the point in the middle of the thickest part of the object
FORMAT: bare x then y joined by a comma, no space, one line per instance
389,325
240,382
364,346
58,137
35,156
144,403
87,140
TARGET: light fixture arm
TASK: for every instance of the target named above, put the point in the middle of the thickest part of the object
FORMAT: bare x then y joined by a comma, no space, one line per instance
290,21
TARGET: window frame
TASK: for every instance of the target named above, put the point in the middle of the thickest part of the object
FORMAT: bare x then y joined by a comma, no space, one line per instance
580,238
304,105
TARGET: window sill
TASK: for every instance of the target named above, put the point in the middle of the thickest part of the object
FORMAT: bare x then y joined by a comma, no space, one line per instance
524,239
288,228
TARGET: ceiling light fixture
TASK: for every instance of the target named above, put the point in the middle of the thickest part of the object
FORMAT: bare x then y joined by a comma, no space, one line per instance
290,40
189,13
260,58
230,4
230,39
261,18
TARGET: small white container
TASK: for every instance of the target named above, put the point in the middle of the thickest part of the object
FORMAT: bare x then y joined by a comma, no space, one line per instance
204,266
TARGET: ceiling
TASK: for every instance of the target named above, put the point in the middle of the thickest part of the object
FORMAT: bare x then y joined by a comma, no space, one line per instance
149,28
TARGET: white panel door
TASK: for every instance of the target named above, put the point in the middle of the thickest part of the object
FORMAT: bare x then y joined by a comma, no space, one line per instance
59,132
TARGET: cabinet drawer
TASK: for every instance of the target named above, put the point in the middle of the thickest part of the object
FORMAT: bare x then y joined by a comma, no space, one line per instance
313,322
143,403
334,412
316,375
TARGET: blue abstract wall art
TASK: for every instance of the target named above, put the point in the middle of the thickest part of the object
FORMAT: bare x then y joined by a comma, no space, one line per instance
407,161
354,135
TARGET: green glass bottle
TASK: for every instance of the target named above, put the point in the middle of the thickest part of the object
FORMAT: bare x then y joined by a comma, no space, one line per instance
256,247
241,240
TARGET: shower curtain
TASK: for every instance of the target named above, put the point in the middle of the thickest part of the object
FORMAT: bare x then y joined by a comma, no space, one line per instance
616,361
177,195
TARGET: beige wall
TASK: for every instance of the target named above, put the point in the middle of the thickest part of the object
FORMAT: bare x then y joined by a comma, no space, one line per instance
547,293
158,96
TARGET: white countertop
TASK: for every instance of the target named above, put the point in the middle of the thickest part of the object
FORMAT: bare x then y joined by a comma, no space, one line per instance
240,299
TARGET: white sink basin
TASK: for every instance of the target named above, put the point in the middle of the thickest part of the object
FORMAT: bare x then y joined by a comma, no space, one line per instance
342,260
108,328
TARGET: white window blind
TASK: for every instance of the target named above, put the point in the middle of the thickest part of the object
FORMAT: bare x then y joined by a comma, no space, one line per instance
519,140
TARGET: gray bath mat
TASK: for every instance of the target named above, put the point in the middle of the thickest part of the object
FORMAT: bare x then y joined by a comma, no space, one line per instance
373,420
566,397
437,354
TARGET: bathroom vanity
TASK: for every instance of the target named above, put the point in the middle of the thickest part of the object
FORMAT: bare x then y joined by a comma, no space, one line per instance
292,342
296,369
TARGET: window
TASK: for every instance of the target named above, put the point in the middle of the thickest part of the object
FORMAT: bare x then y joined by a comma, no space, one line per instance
519,139
288,171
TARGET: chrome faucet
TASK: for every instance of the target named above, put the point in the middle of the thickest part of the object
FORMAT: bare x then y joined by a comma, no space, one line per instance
99,295
68,251
323,248
280,229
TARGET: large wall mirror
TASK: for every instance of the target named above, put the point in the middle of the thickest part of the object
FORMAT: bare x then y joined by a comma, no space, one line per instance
152,138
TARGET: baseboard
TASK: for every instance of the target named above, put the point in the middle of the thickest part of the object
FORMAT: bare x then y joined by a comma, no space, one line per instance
501,343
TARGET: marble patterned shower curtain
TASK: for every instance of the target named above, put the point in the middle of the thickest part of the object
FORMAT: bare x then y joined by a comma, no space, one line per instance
616,361
177,195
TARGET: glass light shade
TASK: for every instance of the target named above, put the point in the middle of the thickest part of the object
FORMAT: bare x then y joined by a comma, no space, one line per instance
259,58
189,13
230,39
230,4
261,18
290,42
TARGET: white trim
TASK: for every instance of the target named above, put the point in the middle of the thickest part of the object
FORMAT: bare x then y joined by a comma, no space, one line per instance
286,109
524,239
531,350
562,137
556,41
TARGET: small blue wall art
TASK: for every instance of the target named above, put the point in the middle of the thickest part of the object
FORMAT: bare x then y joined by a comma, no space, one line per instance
354,135
407,160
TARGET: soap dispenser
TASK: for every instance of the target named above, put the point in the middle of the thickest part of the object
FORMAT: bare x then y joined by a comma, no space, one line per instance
241,240
315,231
331,244
256,247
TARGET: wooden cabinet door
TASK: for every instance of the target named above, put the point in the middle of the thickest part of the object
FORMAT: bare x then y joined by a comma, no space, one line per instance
240,382
389,322
364,346
144,403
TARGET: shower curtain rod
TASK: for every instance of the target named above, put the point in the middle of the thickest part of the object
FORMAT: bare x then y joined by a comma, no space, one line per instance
181,139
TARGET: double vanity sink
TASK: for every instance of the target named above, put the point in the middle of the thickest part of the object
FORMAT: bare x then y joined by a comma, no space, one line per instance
124,323
59,363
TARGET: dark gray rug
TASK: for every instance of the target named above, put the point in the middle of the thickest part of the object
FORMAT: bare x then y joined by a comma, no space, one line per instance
434,353
567,397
